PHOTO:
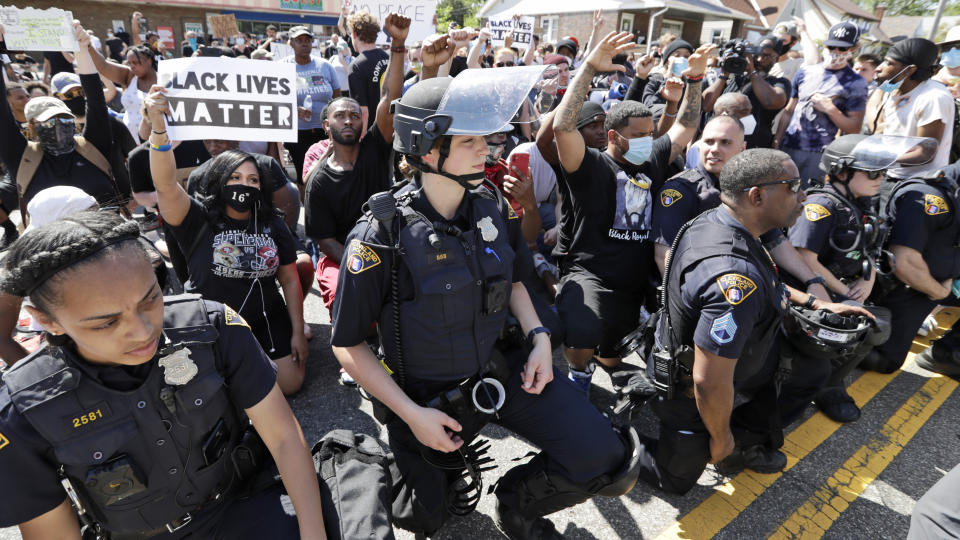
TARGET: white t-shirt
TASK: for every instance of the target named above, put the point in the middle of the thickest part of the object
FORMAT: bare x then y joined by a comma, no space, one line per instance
903,114
97,44
544,178
787,68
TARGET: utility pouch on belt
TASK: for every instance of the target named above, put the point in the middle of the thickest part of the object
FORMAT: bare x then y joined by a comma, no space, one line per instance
114,481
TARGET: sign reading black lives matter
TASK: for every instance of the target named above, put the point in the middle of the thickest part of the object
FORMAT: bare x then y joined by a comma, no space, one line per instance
229,98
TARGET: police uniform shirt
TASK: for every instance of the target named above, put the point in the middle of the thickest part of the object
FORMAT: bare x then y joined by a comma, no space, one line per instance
28,465
362,292
822,218
726,294
923,212
686,196
612,207
226,260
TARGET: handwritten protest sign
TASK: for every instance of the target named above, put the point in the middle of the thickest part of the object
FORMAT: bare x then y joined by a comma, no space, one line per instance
280,51
166,37
421,13
230,98
521,28
32,29
224,26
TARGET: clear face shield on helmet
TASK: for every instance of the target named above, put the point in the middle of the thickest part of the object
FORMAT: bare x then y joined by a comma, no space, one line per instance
880,152
484,101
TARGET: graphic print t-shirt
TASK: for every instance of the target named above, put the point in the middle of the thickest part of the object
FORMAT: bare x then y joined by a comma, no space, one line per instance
318,80
612,208
229,257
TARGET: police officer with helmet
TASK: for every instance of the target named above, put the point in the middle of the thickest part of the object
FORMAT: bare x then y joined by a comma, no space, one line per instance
924,239
840,237
715,338
437,264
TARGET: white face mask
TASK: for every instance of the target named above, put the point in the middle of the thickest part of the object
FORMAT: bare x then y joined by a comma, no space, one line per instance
749,124
836,59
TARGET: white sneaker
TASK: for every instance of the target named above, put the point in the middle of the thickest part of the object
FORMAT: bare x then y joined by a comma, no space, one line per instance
929,325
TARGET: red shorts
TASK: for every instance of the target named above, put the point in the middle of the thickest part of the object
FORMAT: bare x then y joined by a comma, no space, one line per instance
327,274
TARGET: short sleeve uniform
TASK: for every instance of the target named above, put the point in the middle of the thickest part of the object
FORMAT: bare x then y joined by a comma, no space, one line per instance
363,292
923,215
680,201
27,462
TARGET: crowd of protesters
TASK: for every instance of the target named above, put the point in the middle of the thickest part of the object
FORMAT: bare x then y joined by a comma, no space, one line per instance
603,167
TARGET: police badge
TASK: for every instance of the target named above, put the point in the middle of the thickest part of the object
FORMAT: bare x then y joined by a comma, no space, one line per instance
487,229
178,368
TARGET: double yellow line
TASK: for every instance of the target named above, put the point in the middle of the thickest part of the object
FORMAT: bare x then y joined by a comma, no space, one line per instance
814,517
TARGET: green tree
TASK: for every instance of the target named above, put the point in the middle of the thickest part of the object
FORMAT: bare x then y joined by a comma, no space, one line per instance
903,7
462,12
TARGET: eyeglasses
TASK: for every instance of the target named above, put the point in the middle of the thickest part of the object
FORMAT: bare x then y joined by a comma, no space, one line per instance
793,184
504,64
834,48
52,122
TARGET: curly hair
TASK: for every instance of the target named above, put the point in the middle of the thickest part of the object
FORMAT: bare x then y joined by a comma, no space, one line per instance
364,25
210,190
43,257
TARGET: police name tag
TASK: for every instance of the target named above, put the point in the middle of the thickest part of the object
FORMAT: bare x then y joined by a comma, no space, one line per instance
833,336
178,368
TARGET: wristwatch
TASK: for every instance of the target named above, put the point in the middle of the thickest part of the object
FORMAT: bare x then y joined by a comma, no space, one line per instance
815,279
534,332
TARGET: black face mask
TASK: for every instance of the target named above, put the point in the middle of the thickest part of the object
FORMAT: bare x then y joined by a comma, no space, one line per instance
77,105
241,198
56,140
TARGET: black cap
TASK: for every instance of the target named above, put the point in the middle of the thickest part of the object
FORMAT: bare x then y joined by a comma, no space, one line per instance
568,43
674,45
589,113
843,34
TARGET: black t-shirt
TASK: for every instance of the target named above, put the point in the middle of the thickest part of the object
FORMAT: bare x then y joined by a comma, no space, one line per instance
763,134
364,78
125,37
227,258
612,206
58,63
334,198
27,461
115,46
188,154
273,179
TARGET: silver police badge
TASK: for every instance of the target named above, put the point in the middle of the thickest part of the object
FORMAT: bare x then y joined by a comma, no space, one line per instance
178,368
487,229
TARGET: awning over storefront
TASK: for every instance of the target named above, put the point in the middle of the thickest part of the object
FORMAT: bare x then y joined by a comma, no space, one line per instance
291,17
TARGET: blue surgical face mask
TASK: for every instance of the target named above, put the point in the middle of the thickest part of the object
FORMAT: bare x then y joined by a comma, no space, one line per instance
889,86
680,63
639,151
951,58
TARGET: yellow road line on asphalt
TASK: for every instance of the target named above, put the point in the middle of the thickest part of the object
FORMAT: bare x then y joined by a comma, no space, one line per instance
815,517
729,500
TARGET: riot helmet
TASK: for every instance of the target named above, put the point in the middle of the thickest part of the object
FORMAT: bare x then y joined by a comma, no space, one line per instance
825,334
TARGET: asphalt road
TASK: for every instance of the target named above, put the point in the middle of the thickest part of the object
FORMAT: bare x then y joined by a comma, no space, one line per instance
853,481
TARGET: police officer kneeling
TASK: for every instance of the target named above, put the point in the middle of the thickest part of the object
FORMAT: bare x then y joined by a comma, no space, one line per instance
439,278
138,410
723,306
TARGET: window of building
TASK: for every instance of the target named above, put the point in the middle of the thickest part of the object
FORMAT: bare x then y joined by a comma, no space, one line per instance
674,27
550,26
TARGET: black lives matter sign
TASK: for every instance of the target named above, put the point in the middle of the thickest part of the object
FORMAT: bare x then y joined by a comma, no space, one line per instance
230,98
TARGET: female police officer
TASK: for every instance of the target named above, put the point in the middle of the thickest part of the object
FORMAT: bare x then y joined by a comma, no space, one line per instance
838,235
439,279
137,409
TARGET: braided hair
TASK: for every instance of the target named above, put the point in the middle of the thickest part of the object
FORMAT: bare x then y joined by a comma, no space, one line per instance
44,256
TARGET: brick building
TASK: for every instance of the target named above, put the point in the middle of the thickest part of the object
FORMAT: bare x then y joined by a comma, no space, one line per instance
182,15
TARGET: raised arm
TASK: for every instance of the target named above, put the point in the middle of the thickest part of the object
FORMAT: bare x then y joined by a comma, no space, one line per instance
13,141
172,199
117,73
570,145
688,117
97,129
397,27
436,50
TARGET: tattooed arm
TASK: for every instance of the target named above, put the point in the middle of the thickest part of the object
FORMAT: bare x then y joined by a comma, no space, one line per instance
570,145
688,117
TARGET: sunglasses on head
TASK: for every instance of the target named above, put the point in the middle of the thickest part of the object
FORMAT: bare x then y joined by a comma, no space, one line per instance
793,184
835,48
52,122
504,64
873,175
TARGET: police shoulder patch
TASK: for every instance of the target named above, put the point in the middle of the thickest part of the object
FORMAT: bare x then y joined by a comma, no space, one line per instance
724,329
361,257
815,212
233,318
4,441
511,213
670,196
934,205
736,287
